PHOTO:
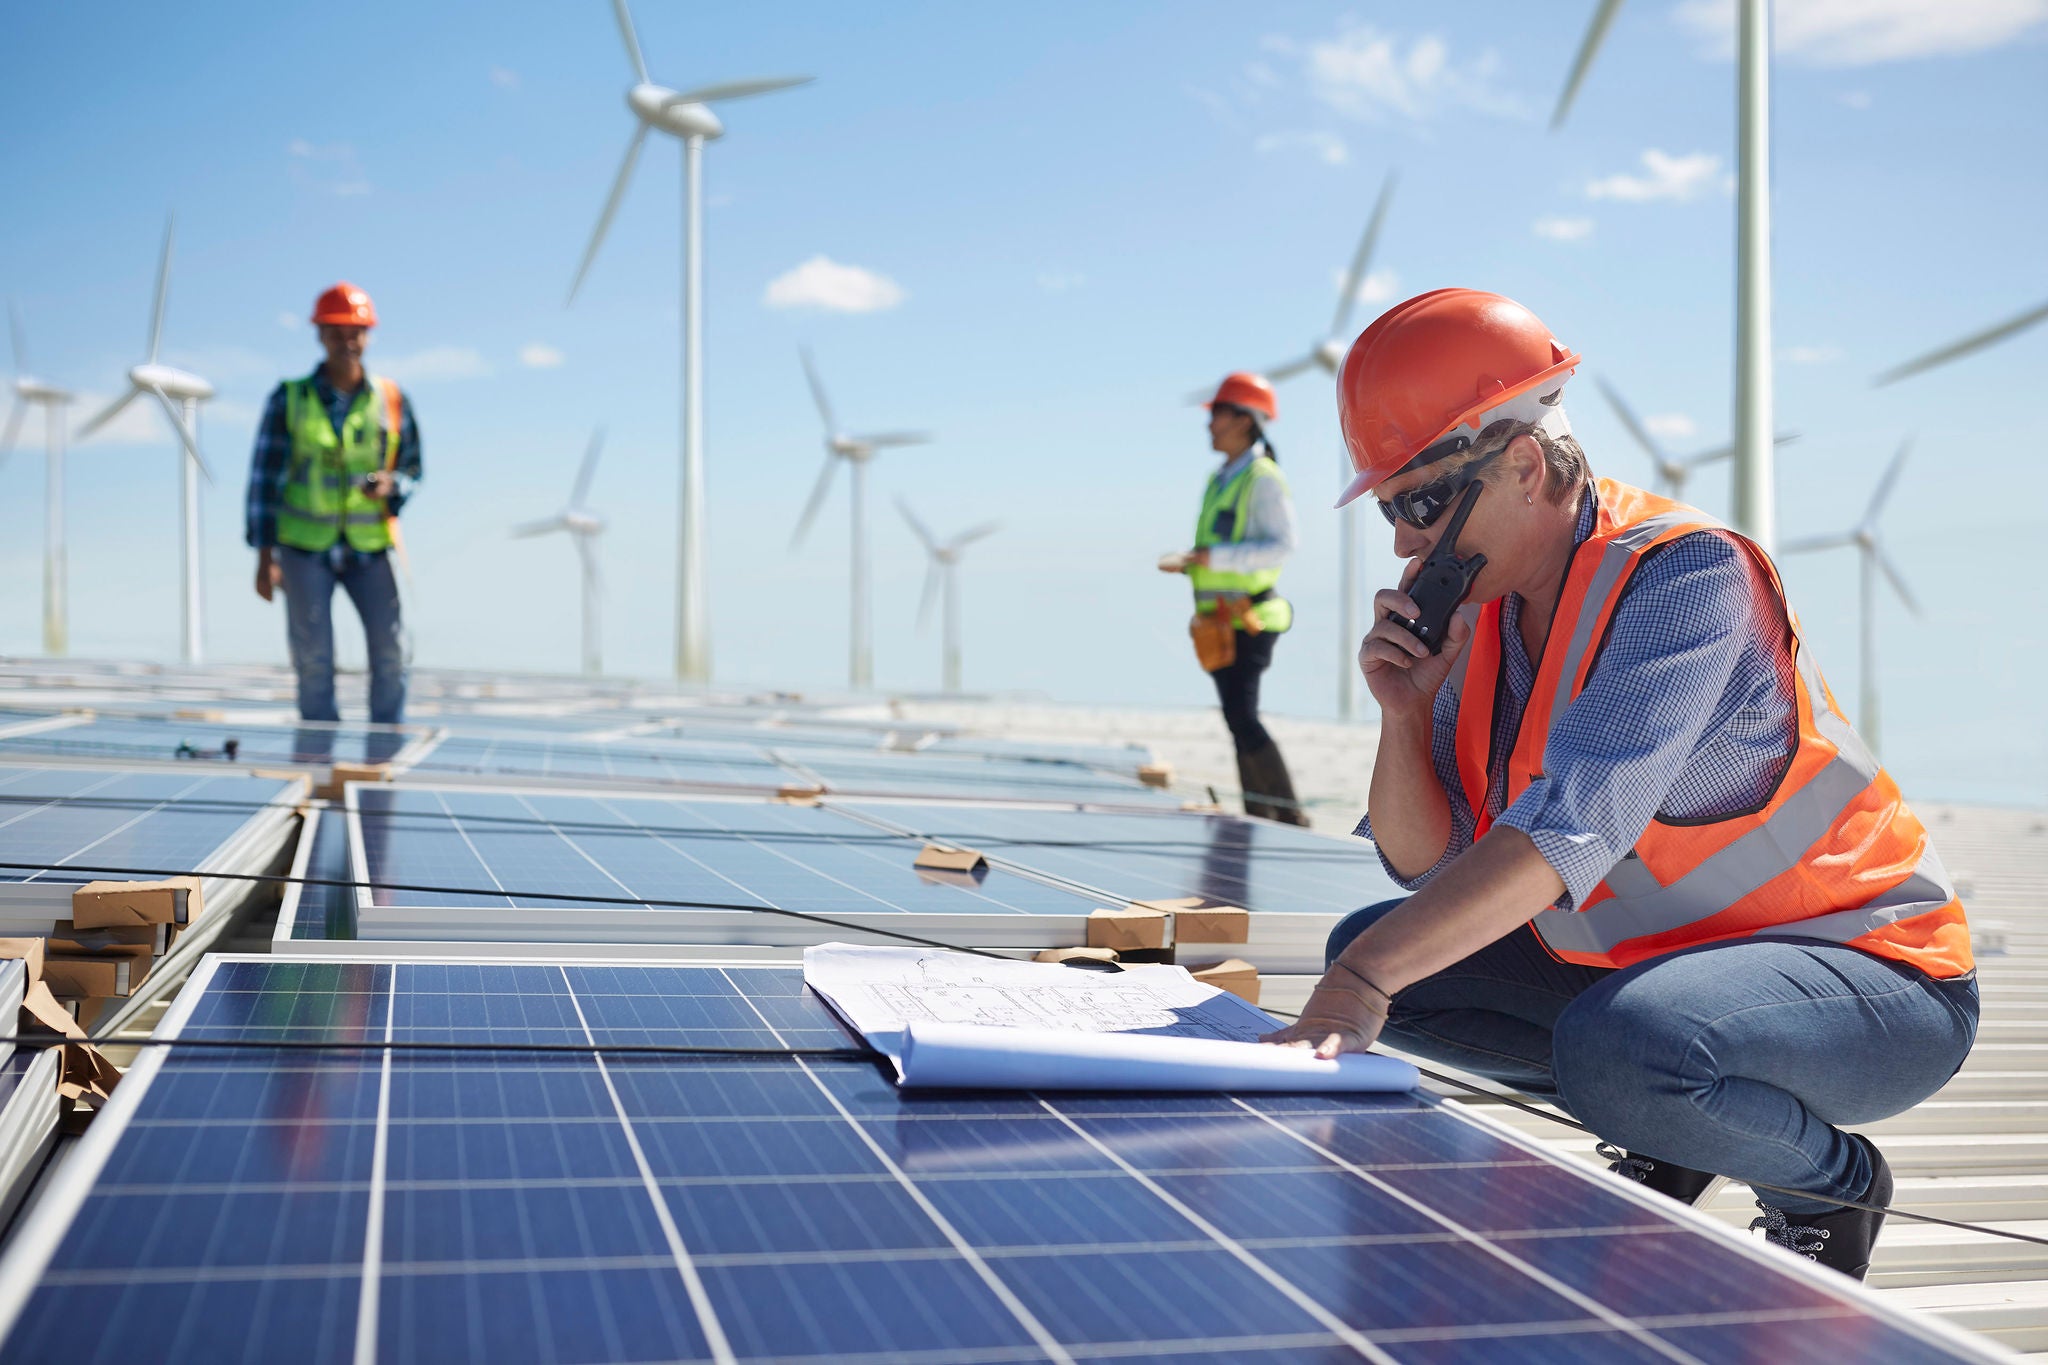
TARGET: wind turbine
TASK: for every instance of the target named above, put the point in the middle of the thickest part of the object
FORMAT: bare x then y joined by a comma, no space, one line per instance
1328,355
165,383
585,526
683,115
1672,473
1755,498
30,392
856,451
1956,350
944,577
1872,561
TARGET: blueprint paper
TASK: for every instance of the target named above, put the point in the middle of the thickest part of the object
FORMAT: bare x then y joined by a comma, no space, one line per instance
958,1020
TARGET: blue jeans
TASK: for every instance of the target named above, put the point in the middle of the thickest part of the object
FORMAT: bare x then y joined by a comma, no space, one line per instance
309,581
1737,1057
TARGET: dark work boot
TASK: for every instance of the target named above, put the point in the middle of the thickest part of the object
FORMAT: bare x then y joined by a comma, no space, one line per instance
1841,1240
1268,790
1682,1183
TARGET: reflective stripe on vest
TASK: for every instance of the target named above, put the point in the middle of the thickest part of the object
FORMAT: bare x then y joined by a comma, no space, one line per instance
1833,854
322,502
1235,497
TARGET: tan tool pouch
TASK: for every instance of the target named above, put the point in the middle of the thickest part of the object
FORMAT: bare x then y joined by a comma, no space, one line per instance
1215,633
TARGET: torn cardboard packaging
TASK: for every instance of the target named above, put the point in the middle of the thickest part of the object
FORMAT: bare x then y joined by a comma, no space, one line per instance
934,858
98,974
1134,926
1156,774
106,905
29,950
1233,974
125,939
1076,954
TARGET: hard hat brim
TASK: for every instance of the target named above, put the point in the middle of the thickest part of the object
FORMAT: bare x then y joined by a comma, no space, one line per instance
1361,484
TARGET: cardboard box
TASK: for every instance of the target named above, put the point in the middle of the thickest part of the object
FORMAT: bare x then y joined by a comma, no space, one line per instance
87,1011
1071,954
29,950
806,794
199,713
1135,926
936,859
341,774
104,974
102,905
1156,774
1212,924
44,1011
1233,974
120,938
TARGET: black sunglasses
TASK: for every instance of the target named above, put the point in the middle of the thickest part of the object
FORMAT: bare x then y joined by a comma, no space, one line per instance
1420,507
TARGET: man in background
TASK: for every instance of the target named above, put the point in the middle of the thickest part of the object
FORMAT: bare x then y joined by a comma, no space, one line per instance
336,456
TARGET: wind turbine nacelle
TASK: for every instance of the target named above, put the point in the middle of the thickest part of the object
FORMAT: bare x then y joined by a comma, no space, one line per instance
36,391
652,105
583,523
1330,355
174,382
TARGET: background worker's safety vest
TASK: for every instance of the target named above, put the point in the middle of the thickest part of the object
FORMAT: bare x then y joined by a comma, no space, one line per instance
1224,511
1833,853
323,500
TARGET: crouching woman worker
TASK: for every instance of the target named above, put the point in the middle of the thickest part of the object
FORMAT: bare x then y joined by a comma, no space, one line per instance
1657,878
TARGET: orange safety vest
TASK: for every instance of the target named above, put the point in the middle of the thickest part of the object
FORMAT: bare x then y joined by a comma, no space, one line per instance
1833,853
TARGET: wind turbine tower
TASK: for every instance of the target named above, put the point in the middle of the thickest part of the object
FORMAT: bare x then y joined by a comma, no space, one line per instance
943,577
685,116
30,392
585,527
856,451
166,383
1871,561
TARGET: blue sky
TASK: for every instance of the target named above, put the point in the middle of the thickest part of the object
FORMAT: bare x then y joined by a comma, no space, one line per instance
1052,221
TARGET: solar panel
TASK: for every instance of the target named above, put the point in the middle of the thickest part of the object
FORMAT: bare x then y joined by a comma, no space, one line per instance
993,779
433,1207
634,759
1296,882
731,852
319,913
149,739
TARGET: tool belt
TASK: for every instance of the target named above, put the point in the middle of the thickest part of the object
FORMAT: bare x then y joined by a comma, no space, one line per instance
1215,632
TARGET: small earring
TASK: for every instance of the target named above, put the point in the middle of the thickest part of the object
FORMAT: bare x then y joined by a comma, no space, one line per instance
1529,498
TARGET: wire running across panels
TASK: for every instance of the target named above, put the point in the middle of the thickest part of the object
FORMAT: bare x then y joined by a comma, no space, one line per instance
731,852
152,819
147,739
421,1207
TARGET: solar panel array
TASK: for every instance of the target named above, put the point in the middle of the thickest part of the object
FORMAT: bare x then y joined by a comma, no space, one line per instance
431,1207
148,739
54,818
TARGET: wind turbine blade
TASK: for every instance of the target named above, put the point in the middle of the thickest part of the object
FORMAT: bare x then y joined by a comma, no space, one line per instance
611,204
931,594
186,436
108,413
15,338
818,391
625,18
734,90
163,289
1887,482
583,475
1287,371
1630,421
1897,580
1812,543
8,437
1955,350
969,536
1361,261
1589,48
1707,457
896,438
539,528
818,492
917,526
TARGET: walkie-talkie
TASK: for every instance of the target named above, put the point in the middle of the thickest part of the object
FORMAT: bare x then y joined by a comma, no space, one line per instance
1444,580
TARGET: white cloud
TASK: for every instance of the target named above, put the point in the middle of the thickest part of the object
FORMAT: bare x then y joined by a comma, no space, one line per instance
291,322
1366,73
538,355
1377,287
332,168
504,78
1563,229
1667,177
1327,148
1854,99
433,364
822,282
1670,426
1812,355
1866,32
1060,281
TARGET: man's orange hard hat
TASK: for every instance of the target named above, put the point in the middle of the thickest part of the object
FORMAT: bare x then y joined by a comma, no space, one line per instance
344,305
1248,391
1446,359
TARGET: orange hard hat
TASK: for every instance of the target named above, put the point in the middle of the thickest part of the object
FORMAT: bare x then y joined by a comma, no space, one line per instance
1248,391
345,306
1442,360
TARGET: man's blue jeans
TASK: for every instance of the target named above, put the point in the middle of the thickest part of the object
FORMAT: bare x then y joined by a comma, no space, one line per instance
309,581
1737,1057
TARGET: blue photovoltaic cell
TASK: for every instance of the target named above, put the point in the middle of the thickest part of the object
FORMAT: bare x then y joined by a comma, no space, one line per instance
1256,864
150,739
991,779
632,759
796,857
327,912
638,1208
149,819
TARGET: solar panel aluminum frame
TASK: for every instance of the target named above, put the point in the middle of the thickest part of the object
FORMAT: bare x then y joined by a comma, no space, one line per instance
28,1127
36,1242
62,720
603,929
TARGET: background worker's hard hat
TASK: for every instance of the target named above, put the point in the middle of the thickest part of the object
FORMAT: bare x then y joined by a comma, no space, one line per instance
1248,391
344,305
1442,360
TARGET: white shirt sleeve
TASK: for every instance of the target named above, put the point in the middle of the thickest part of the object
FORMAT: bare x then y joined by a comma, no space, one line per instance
1268,533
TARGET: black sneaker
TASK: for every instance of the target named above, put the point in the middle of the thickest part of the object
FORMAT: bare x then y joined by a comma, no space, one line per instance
1841,1240
1682,1183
